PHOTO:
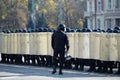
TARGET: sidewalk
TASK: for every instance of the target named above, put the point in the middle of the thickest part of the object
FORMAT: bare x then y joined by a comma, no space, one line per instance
17,72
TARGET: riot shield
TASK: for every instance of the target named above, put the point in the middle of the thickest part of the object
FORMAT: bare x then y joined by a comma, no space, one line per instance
11,44
32,43
80,50
4,43
71,43
25,43
104,47
14,43
85,46
42,43
18,35
118,46
8,43
49,47
94,45
1,42
113,51
76,45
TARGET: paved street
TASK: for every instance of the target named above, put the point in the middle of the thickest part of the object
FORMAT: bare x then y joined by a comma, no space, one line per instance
16,72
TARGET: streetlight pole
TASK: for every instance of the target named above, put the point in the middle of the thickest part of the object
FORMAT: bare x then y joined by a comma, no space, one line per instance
33,13
95,12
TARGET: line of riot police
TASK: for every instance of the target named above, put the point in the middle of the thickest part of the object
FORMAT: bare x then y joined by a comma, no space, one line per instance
97,48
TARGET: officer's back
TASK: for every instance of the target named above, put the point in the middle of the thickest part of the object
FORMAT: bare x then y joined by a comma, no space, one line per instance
59,40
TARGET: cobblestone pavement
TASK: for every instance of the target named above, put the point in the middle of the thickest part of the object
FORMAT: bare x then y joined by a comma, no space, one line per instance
18,72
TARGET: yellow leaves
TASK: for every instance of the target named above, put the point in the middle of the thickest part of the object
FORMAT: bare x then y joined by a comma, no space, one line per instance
71,13
22,18
44,10
80,22
45,6
22,3
3,17
51,5
51,2
52,26
21,9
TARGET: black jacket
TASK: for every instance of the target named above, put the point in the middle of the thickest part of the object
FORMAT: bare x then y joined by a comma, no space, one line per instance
60,41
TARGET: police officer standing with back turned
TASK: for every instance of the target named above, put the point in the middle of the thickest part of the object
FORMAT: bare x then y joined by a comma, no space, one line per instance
60,44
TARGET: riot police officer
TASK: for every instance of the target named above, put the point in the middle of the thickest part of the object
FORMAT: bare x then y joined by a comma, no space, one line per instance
60,44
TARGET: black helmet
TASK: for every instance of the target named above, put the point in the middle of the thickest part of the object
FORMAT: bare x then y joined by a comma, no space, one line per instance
61,27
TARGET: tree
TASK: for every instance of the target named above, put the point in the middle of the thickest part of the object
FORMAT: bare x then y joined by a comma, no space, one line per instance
2,10
46,12
41,21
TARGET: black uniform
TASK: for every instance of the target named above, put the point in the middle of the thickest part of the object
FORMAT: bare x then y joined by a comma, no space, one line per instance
59,44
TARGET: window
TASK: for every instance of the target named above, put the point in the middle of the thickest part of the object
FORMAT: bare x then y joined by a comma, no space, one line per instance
91,23
98,23
90,6
109,4
109,24
99,6
117,4
117,22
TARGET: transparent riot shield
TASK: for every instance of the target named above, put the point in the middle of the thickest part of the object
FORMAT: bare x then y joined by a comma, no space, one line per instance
1,42
31,43
18,35
15,43
11,43
4,43
118,46
113,51
80,50
95,45
71,43
85,46
49,47
42,43
76,45
104,47
25,43
8,43
92,44
38,50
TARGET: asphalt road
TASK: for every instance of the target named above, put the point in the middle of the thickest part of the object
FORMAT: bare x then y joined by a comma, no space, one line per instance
18,72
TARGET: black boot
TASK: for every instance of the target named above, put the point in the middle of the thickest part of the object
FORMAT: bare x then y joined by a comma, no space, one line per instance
92,65
81,68
60,72
92,68
118,71
54,70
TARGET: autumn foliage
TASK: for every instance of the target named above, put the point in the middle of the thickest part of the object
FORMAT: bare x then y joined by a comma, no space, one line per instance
14,14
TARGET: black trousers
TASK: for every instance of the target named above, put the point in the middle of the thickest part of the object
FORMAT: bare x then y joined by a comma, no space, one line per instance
58,56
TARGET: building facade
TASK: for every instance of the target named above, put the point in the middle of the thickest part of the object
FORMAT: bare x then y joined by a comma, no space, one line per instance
102,14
